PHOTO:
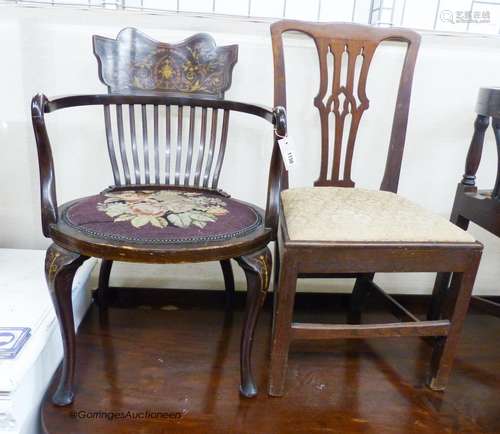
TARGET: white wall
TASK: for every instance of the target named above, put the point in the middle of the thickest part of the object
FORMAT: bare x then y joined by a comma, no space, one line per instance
49,50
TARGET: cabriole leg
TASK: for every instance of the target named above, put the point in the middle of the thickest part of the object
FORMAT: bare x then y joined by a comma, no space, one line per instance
60,268
257,267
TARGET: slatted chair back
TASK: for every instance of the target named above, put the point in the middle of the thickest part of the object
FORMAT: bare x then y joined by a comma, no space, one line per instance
165,143
344,95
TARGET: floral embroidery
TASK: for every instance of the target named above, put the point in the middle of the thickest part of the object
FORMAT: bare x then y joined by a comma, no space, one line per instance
162,208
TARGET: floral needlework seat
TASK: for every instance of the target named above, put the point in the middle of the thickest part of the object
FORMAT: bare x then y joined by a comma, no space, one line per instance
161,216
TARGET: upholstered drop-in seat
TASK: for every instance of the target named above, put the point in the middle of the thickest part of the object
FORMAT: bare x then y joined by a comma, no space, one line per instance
161,216
355,214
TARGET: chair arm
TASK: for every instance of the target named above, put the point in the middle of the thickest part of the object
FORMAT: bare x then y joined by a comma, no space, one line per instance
45,164
278,176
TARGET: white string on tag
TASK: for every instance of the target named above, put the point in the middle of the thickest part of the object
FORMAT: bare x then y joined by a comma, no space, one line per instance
287,152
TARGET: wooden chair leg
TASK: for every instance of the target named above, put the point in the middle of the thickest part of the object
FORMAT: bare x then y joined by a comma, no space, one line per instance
60,268
358,298
103,295
277,263
455,309
257,267
443,279
282,323
227,272
438,295
276,270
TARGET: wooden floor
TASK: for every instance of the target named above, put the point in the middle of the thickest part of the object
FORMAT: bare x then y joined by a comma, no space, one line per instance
184,363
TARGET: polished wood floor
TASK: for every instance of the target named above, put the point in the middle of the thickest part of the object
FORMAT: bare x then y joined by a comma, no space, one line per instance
183,361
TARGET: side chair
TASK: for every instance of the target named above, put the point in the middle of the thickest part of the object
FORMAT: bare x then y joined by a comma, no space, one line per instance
165,205
338,230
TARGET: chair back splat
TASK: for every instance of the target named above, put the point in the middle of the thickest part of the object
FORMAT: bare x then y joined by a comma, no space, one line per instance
165,143
346,96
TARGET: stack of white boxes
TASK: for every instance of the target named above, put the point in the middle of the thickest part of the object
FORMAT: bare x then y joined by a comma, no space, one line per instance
26,307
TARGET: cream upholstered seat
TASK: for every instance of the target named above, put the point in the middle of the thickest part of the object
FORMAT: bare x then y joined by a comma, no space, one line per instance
355,214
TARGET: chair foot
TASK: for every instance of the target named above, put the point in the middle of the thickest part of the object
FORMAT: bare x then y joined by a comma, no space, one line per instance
276,390
248,390
61,398
435,386
257,267
60,268
455,309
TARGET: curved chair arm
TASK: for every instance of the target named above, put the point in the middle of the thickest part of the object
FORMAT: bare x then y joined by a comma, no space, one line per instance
45,163
278,176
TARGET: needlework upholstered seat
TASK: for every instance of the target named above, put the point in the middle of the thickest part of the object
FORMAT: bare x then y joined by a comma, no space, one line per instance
356,214
161,216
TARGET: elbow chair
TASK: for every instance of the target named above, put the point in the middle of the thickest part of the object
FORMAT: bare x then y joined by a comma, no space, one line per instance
165,205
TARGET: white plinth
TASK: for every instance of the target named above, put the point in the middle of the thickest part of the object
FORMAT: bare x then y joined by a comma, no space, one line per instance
25,302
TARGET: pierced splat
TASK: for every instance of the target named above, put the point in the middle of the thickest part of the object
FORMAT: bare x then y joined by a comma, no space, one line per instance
341,99
346,96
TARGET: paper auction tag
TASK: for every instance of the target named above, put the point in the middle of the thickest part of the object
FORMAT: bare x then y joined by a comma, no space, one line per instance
287,152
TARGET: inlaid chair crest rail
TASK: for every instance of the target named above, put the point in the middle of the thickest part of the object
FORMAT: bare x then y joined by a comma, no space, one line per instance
134,63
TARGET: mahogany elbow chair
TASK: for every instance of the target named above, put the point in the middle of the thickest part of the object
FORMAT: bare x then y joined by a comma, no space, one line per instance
335,229
114,57
479,206
165,205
